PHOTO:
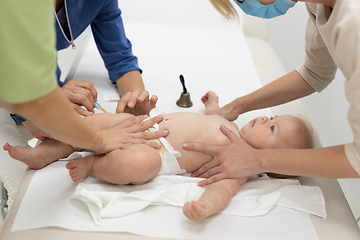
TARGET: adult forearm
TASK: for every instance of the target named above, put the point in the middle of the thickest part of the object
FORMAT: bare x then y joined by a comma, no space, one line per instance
54,115
130,81
284,89
330,162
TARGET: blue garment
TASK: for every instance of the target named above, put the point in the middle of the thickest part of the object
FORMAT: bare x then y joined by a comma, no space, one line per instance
107,27
108,31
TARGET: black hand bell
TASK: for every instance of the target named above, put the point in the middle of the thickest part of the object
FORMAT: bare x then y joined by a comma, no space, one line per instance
184,100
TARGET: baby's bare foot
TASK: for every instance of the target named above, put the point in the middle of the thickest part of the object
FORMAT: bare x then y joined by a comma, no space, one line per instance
25,155
80,168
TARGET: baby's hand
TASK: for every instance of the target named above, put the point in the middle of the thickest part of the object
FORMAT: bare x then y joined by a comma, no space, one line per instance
205,98
211,102
210,97
196,210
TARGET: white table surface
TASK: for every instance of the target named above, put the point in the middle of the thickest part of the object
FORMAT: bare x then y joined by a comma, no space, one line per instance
340,223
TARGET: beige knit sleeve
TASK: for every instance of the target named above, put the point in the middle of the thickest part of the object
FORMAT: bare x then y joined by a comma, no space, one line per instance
347,49
319,68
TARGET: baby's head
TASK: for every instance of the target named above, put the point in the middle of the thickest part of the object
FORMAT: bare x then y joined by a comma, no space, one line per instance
283,131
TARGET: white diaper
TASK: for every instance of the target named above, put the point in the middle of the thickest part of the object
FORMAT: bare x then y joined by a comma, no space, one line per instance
168,155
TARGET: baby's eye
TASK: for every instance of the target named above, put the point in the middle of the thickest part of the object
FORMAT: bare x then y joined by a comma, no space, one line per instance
272,128
271,118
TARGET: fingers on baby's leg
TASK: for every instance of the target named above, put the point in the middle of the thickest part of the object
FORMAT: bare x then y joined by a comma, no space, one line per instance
196,210
80,168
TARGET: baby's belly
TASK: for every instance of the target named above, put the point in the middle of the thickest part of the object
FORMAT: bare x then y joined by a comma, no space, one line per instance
194,128
189,160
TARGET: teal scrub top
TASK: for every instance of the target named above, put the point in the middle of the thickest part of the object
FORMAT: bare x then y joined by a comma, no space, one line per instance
27,50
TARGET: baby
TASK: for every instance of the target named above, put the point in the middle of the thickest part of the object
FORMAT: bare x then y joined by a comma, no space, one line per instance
139,163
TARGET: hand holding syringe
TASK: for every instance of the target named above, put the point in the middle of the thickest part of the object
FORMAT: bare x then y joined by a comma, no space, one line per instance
98,106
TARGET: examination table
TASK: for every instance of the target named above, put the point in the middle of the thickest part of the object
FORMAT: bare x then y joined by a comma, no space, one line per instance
340,223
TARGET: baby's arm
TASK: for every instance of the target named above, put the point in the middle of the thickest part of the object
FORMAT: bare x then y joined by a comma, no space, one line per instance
213,200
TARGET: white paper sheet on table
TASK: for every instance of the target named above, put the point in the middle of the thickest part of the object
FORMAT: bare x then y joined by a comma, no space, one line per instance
257,197
212,55
47,203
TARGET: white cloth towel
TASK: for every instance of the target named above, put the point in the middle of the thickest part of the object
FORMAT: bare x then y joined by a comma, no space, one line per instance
255,198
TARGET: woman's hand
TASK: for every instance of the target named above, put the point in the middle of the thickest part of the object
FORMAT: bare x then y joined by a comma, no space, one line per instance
131,131
81,93
136,102
235,160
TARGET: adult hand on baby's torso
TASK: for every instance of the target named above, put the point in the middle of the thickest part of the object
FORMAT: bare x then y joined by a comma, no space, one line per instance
122,129
195,127
234,160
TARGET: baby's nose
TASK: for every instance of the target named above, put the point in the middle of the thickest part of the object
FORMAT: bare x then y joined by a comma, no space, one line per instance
264,119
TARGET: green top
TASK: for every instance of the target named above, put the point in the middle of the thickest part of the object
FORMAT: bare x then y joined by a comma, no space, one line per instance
27,50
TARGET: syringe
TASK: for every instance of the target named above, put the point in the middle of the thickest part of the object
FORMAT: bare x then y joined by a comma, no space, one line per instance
98,106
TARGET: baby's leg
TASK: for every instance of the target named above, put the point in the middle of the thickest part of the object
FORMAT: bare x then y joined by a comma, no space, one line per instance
211,101
38,157
134,164
213,200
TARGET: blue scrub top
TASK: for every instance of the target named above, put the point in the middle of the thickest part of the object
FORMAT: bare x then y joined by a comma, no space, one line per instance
107,27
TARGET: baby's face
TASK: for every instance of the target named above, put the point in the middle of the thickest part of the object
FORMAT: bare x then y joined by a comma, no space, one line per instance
263,132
